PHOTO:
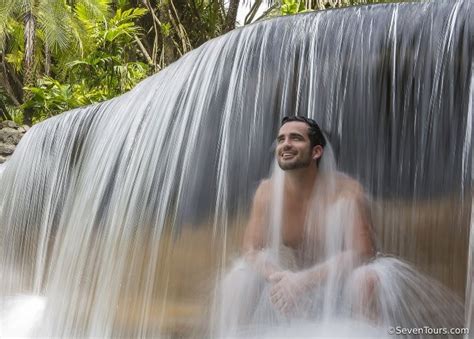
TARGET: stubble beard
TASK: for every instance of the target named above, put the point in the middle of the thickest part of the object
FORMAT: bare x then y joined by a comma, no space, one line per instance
296,163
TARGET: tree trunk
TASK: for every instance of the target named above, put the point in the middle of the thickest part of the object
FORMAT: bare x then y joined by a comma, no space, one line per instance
4,80
231,16
29,72
47,60
168,47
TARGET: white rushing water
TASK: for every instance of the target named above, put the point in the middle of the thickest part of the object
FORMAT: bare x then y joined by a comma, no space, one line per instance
116,219
20,316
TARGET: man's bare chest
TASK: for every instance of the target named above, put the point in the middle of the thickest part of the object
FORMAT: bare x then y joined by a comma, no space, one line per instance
299,224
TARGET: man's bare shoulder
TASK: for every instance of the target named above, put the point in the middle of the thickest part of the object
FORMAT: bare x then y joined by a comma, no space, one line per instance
348,187
263,192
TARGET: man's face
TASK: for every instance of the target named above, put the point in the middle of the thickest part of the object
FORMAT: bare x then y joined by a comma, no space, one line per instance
293,146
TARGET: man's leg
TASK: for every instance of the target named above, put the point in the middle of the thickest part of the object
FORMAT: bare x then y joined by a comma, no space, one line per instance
237,297
363,294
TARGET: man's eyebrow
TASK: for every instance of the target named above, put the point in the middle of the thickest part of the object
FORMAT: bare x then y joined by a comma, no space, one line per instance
292,134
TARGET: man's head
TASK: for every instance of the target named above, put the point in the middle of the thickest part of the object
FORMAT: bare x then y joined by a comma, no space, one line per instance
300,142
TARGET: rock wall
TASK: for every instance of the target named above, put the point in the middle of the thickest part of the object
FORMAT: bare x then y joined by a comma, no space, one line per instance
10,135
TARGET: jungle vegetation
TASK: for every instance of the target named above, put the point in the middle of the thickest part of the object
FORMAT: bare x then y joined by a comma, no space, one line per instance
56,55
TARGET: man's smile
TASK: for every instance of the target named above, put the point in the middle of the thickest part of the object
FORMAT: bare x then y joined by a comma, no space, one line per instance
288,155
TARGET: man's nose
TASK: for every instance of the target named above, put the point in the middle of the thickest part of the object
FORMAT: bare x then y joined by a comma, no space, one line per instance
286,144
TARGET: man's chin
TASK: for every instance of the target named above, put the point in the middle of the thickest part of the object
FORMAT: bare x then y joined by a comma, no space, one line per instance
285,166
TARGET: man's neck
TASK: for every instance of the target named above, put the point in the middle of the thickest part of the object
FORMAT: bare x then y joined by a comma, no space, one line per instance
301,181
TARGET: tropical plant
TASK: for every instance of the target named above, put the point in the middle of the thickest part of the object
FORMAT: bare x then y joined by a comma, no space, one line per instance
59,54
107,68
289,7
45,24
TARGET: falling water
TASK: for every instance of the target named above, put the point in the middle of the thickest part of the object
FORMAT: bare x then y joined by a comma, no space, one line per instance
115,218
469,302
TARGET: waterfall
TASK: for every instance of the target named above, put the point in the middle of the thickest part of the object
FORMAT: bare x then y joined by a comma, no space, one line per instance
119,216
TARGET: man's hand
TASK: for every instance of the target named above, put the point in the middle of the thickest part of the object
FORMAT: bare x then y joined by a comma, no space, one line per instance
262,262
287,291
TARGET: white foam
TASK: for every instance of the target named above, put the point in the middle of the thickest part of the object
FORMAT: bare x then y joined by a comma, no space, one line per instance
19,315
333,328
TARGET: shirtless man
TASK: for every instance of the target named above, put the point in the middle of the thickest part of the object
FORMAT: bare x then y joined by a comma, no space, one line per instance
300,147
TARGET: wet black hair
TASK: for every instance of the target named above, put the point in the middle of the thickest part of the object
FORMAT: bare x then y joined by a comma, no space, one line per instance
315,134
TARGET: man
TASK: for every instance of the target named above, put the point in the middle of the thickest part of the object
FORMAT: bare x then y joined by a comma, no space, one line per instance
323,234
299,151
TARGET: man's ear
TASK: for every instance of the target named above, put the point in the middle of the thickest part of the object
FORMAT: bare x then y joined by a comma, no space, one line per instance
317,153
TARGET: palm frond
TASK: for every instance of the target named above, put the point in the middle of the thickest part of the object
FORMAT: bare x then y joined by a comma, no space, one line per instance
7,10
16,36
122,23
94,10
54,19
16,60
26,5
80,40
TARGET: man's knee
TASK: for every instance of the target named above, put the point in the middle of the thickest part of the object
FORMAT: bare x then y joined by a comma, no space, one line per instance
364,293
241,271
238,294
366,279
240,282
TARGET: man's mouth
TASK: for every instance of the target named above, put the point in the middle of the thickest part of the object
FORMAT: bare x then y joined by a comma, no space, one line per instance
287,155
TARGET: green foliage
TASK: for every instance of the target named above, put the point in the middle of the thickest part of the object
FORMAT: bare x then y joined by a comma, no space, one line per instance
166,29
53,18
52,97
85,51
15,52
107,68
289,7
93,10
7,111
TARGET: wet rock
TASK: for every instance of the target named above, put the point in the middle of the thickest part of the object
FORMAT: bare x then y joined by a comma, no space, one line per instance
10,135
6,149
10,124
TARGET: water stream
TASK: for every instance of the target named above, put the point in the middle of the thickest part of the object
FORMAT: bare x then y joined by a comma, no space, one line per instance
117,219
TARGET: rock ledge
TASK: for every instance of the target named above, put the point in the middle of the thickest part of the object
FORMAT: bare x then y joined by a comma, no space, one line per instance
10,135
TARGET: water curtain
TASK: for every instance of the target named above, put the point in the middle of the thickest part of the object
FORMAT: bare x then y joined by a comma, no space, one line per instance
122,215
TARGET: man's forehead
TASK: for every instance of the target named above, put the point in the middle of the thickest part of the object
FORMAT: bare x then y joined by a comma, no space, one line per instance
294,127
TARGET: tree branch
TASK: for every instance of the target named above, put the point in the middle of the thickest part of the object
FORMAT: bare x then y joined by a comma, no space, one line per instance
253,11
18,83
143,50
181,30
231,16
156,23
263,16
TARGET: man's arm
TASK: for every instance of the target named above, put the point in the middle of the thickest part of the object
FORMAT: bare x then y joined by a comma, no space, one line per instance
288,286
359,242
256,233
